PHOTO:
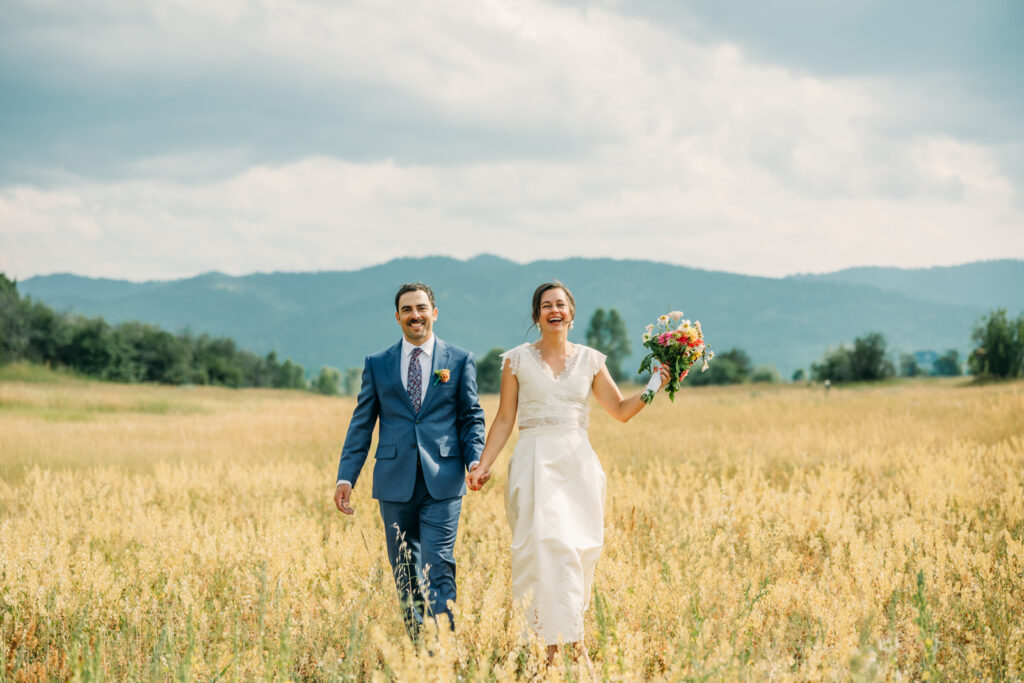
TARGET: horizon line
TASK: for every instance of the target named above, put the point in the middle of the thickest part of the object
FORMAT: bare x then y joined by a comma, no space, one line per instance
488,255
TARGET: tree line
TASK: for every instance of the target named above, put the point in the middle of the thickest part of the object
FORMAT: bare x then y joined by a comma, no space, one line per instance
139,352
998,353
32,332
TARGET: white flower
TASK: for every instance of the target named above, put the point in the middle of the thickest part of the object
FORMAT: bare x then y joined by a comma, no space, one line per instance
650,328
647,337
663,319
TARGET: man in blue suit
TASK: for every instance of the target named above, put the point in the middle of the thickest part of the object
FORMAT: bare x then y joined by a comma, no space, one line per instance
423,391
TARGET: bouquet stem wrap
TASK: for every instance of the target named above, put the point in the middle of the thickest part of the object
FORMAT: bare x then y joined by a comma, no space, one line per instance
652,388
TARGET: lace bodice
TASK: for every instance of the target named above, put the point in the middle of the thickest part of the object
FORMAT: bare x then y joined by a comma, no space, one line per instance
546,400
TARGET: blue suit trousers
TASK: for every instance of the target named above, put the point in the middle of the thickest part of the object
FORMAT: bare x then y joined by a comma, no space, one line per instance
420,537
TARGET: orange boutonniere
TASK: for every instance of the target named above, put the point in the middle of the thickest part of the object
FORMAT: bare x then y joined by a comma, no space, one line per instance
442,376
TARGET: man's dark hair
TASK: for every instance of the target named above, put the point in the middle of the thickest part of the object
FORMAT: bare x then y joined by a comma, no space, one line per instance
415,287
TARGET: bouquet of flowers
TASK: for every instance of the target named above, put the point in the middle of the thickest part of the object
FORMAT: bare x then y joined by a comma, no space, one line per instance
677,343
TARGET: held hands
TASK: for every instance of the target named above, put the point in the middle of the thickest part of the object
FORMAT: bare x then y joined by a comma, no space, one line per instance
342,498
477,477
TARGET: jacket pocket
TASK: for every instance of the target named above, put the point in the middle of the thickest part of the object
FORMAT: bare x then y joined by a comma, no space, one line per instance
385,452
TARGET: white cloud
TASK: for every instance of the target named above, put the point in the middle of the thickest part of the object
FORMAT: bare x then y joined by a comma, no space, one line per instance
329,214
691,153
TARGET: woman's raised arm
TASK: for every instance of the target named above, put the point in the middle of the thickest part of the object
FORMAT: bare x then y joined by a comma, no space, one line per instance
608,395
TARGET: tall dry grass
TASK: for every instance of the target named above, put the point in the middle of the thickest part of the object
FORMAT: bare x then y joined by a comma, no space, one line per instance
155,533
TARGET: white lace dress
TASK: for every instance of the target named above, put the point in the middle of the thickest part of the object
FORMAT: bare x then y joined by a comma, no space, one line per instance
556,490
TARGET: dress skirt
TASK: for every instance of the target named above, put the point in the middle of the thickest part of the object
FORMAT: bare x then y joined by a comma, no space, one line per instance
555,506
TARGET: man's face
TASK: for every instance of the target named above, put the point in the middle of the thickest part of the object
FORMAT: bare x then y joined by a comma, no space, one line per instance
415,316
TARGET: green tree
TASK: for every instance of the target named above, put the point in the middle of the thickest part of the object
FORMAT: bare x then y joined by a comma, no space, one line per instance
836,366
909,366
289,375
730,367
216,361
488,371
156,355
999,346
865,362
328,382
353,381
8,287
948,365
869,358
48,332
14,332
608,334
799,375
254,369
91,349
764,374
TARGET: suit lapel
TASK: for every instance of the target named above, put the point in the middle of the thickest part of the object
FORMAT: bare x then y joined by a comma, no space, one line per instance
393,360
440,362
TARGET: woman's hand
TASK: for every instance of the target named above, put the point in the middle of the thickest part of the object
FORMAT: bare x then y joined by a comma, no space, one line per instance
477,477
666,375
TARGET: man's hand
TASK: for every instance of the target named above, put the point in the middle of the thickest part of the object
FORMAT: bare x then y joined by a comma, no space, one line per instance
477,477
342,496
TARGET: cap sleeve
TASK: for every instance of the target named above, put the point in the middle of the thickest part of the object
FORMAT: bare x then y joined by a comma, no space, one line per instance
597,360
512,356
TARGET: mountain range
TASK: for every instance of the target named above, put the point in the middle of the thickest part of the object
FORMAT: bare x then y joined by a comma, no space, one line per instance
335,318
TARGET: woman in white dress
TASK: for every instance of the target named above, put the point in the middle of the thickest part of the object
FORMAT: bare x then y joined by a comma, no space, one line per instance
556,485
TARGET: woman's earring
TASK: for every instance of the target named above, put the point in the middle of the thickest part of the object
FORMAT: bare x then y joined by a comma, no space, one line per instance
570,324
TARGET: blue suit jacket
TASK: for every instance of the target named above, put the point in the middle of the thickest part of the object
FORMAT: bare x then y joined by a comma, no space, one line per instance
446,436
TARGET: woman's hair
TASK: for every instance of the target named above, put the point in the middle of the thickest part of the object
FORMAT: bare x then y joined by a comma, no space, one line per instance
539,292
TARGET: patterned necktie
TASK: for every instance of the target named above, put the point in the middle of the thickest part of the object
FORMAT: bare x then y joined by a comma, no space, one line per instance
414,381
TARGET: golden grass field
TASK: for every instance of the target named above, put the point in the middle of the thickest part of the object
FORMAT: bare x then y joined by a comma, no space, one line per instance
753,532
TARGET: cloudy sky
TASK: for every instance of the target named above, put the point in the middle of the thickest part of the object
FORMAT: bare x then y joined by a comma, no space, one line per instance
152,140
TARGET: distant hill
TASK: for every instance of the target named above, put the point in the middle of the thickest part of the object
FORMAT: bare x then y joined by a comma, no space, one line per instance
995,284
336,318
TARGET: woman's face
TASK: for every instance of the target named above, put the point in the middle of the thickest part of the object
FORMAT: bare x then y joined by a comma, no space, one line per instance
555,311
